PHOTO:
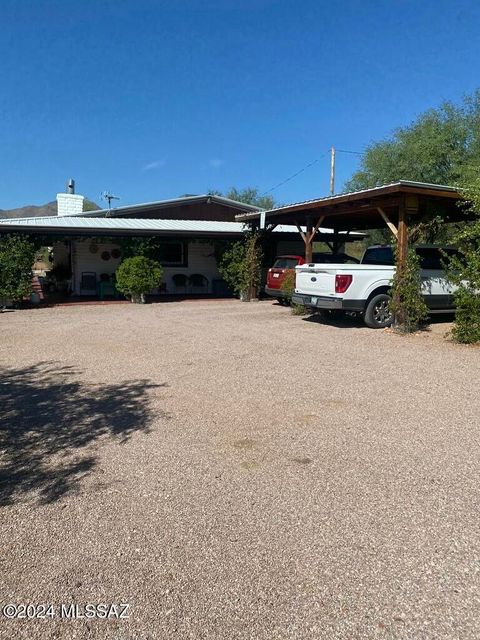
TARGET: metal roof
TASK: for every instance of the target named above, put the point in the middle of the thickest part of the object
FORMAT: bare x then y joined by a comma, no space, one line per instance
352,195
76,224
123,224
163,204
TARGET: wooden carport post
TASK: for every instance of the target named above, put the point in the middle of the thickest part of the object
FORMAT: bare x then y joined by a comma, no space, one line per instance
308,236
402,249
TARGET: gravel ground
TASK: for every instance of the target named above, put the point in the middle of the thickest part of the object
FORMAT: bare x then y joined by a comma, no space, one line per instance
233,472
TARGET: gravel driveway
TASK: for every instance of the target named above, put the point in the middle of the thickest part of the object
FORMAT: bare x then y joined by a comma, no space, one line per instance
233,472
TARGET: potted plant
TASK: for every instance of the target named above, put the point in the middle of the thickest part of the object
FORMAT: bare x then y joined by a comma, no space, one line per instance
137,276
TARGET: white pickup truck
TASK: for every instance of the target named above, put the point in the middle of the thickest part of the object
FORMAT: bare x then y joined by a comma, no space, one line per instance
364,288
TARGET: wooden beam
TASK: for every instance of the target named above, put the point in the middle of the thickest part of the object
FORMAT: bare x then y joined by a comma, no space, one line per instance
308,237
388,222
402,237
308,242
317,226
301,232
402,248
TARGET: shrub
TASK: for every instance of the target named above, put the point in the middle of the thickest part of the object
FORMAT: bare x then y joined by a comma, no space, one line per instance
288,285
407,305
464,271
17,255
299,310
466,328
240,266
137,276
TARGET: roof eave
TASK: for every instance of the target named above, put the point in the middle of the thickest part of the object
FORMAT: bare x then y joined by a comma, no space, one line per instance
164,204
401,186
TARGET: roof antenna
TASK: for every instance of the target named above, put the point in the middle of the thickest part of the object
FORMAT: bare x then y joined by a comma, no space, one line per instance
106,195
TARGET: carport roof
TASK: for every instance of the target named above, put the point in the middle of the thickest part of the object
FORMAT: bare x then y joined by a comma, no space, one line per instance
359,209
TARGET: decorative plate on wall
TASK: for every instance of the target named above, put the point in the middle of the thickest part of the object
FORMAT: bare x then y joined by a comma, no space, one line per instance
93,248
105,255
116,253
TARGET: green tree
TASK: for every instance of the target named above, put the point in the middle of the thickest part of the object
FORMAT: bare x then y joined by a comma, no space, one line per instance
240,265
17,255
249,195
437,147
465,269
137,276
407,304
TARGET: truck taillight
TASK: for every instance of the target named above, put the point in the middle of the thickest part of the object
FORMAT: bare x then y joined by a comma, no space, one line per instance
342,282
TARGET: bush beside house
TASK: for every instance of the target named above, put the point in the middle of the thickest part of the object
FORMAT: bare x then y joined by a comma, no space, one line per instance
241,265
17,255
137,276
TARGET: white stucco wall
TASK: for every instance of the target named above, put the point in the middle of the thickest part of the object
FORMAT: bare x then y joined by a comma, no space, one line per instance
200,260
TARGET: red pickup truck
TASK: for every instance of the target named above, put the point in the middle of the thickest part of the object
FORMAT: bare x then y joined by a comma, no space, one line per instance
287,263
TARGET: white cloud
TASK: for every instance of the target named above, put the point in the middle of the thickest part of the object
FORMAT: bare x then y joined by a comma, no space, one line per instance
156,164
215,162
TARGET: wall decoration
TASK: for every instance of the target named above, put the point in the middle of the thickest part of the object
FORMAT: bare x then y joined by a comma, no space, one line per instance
105,255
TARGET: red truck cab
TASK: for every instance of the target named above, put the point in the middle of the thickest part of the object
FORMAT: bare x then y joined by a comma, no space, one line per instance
276,274
286,264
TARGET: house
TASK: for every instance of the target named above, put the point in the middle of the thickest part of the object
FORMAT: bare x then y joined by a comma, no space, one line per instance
87,245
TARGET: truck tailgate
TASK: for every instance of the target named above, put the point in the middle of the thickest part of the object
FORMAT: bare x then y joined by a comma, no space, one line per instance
316,281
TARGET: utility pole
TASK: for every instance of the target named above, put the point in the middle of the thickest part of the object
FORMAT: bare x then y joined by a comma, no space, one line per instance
332,170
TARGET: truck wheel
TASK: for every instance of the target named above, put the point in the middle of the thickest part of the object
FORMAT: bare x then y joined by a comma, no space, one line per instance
378,314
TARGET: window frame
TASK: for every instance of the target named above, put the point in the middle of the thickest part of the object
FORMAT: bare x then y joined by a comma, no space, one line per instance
184,261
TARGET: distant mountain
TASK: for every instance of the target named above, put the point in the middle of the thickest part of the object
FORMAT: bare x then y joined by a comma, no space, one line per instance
35,211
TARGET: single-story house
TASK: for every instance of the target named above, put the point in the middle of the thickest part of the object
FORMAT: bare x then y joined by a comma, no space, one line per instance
88,244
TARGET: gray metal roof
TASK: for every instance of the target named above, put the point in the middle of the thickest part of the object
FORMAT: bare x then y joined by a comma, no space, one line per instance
123,224
340,196
163,204
78,224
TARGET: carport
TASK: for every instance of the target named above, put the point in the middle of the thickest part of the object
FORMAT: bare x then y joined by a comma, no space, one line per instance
398,206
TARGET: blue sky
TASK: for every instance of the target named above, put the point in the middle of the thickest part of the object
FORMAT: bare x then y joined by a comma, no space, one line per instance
154,99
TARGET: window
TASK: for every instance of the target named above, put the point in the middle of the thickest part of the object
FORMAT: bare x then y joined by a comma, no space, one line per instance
173,254
379,255
435,258
285,263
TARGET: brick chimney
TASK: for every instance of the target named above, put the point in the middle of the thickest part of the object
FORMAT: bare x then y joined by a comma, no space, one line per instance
69,203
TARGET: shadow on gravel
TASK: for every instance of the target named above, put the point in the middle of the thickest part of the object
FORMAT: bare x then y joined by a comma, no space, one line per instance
50,422
344,321
341,321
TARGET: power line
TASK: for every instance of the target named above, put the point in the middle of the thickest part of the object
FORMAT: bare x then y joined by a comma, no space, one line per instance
357,153
294,175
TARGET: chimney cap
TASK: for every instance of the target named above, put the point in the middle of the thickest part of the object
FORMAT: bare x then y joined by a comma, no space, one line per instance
71,186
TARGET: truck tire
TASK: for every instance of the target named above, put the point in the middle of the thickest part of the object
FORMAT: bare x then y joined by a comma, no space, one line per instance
378,314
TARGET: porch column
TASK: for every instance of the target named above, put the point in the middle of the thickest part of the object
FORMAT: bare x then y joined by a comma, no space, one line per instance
308,236
309,242
402,248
